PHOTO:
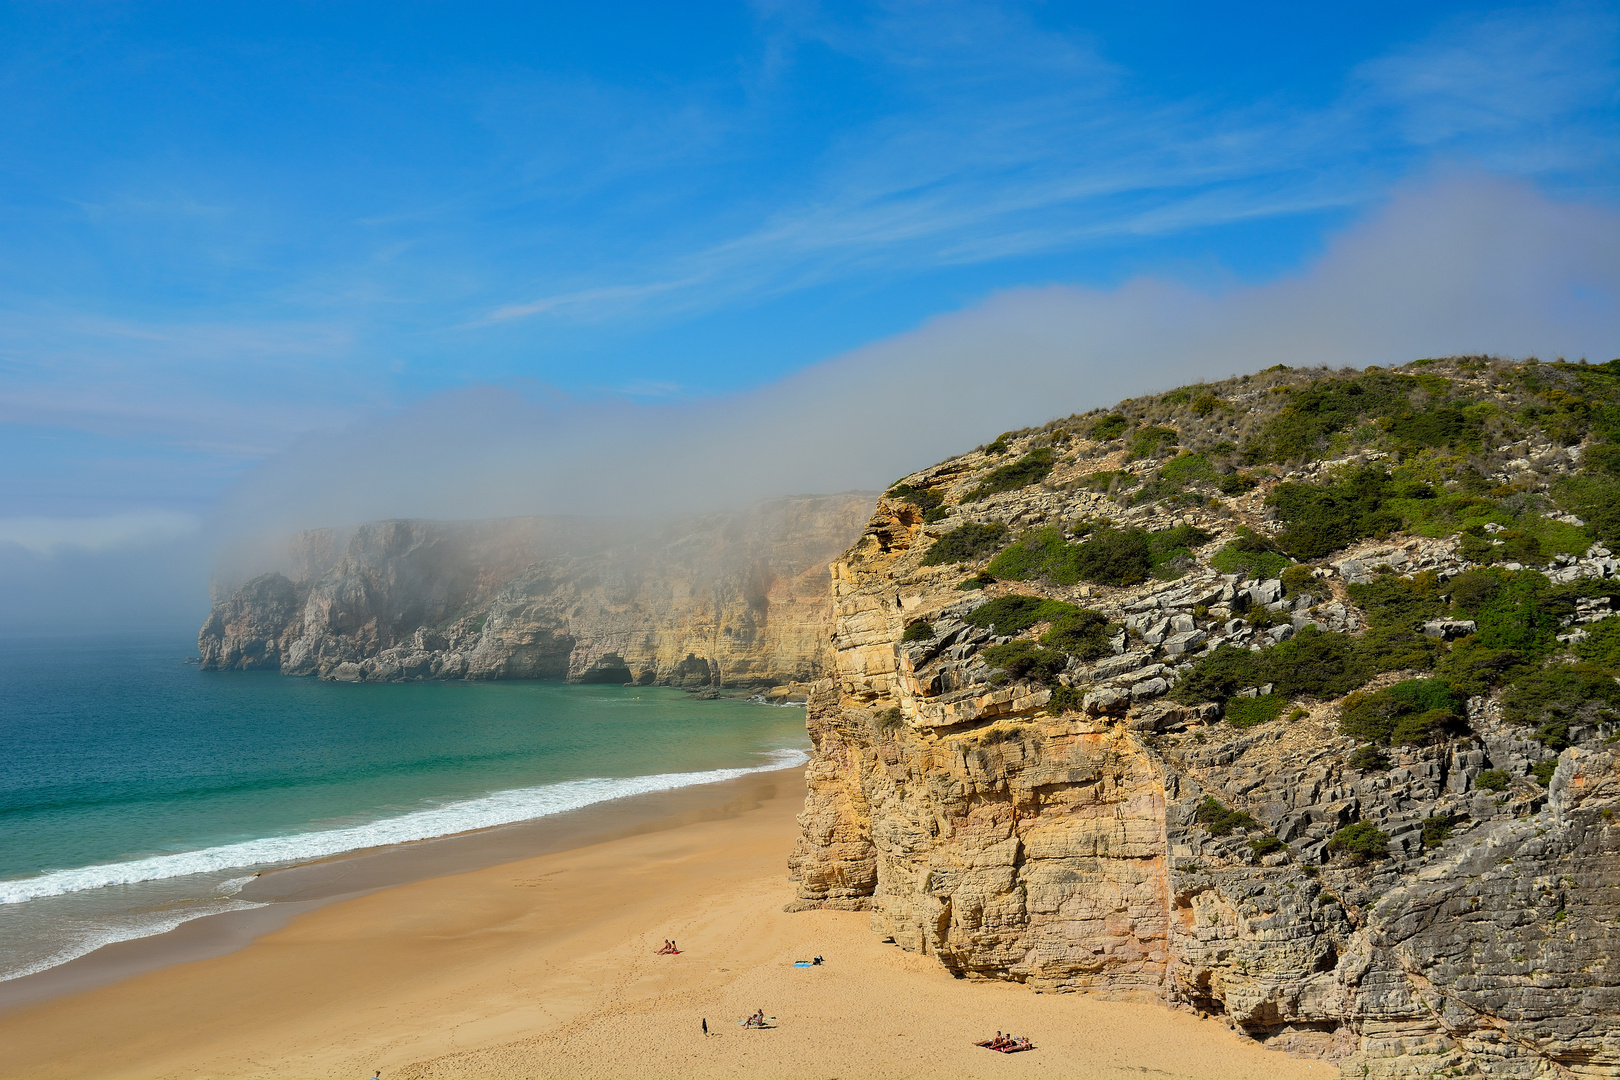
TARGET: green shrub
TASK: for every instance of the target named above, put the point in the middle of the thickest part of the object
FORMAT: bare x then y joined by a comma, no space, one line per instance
1555,698
1361,841
1081,633
1415,712
1041,553
1325,407
1152,441
1016,613
1107,480
1322,518
1114,557
1109,427
1385,648
1543,771
1170,550
1219,675
1317,663
1601,645
1075,631
1436,830
1437,425
1473,589
977,581
1298,579
1265,845
1218,820
1204,404
1493,780
889,719
924,499
1025,659
1368,758
1188,468
1245,712
921,630
966,543
1251,554
1394,601
1472,669
1032,468
1595,499
1109,556
1065,699
1236,483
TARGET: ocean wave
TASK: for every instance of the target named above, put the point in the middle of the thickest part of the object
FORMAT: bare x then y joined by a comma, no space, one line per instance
499,808
111,931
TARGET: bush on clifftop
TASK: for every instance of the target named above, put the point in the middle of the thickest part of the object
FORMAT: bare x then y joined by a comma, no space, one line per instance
966,543
1032,468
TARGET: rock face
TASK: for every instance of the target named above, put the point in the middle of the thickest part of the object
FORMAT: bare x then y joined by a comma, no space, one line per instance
733,599
1010,838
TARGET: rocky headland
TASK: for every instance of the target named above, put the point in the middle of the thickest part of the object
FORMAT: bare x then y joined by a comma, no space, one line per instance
1289,700
719,600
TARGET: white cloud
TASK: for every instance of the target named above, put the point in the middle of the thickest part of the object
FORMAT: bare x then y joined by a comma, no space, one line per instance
1000,140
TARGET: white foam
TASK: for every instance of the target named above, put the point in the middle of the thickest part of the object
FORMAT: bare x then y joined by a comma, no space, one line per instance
499,808
129,928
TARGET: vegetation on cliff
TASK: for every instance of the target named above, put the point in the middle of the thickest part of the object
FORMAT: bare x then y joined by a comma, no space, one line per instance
1515,464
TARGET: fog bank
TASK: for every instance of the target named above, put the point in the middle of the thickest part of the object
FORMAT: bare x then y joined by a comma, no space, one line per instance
1463,264
1460,264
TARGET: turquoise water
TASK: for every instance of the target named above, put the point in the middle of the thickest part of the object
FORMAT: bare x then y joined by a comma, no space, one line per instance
137,791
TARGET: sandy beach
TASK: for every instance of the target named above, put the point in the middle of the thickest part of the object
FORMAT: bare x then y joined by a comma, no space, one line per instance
546,966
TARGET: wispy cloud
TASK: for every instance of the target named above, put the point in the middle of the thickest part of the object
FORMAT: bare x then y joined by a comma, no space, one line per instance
615,295
1014,141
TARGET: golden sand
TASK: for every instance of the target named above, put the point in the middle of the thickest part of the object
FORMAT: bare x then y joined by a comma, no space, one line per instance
547,967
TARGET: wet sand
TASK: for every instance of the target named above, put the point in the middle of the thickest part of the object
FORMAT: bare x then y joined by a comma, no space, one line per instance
545,966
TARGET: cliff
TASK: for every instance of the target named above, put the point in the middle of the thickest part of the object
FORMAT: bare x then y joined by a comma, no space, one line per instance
1288,700
726,599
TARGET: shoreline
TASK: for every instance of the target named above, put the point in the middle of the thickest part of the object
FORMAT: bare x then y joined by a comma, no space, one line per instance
293,890
545,966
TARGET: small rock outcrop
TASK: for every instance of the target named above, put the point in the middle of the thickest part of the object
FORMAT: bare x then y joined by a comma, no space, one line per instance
726,599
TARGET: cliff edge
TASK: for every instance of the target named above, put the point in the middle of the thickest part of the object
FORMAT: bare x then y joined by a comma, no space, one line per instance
1288,700
725,599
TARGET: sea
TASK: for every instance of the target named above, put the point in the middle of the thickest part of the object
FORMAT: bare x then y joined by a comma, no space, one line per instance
138,792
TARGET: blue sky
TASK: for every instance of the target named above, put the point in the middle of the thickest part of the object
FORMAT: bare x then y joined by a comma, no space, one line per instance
226,227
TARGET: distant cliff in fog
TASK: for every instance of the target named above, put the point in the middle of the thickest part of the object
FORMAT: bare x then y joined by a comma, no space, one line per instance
724,599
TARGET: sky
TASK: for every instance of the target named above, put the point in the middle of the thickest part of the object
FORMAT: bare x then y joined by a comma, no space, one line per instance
273,266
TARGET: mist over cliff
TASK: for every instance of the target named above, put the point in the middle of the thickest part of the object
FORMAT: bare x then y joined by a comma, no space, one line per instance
1457,266
735,598
1460,264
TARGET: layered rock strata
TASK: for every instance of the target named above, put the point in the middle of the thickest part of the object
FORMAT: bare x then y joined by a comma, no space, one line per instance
1061,848
730,599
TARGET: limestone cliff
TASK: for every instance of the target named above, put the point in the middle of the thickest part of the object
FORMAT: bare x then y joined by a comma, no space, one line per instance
1100,813
725,599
